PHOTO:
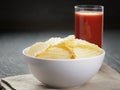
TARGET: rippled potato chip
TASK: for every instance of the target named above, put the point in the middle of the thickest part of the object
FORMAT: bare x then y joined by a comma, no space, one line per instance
55,53
54,41
84,52
37,48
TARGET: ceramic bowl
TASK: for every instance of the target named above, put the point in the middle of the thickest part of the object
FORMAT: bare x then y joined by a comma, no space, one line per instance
63,73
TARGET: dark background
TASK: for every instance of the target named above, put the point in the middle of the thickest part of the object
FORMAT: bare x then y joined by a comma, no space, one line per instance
39,15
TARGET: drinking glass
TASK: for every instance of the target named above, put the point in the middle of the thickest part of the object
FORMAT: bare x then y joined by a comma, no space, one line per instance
89,23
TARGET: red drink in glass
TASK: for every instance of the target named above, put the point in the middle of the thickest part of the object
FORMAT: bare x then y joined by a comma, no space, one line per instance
89,25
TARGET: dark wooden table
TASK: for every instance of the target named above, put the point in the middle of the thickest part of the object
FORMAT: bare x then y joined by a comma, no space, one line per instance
12,44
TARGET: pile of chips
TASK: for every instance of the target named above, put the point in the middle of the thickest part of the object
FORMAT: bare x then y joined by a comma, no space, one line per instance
64,48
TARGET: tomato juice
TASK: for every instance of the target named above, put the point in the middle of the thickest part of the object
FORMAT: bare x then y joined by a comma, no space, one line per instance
89,26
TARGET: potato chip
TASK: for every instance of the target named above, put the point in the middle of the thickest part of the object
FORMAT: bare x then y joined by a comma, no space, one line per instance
84,52
37,48
54,41
55,53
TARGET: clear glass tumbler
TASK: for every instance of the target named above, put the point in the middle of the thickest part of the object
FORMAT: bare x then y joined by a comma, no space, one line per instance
89,23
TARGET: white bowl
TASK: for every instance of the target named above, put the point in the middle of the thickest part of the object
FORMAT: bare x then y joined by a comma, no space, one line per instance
62,73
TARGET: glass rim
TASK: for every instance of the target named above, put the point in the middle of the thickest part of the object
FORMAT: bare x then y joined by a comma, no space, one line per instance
89,6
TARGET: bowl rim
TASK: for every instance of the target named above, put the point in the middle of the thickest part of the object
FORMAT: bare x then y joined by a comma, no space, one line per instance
79,59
